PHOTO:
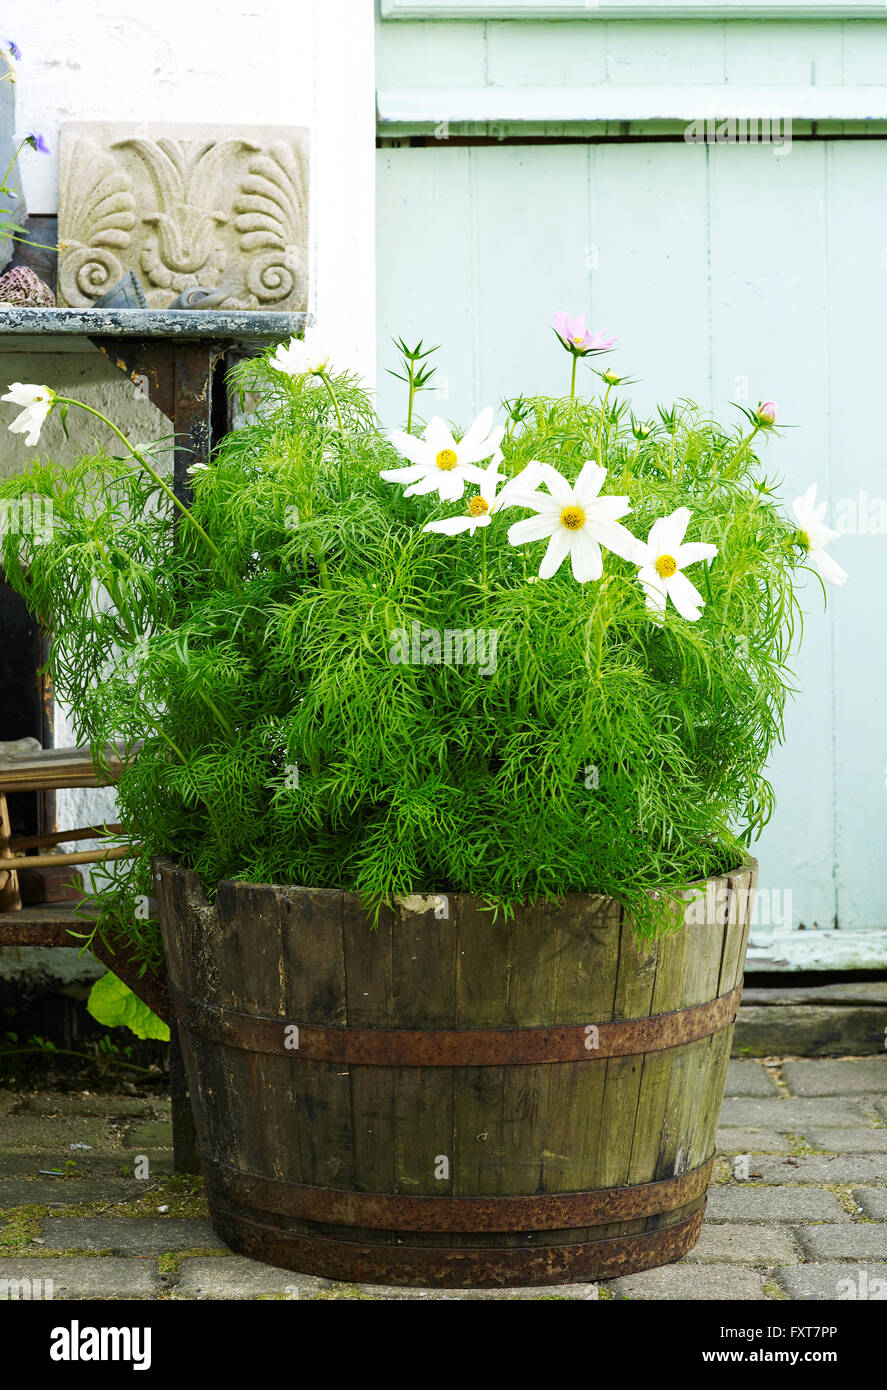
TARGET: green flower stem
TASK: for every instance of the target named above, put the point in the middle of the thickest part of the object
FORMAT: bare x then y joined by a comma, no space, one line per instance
412,394
573,377
600,427
744,446
90,410
3,188
332,395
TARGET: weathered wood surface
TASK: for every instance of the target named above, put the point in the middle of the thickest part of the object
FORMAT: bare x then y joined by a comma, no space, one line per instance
307,957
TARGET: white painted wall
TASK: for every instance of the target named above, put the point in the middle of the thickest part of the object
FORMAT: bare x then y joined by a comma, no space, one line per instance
299,62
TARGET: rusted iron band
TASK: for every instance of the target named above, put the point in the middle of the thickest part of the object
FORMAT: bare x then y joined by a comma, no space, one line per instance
459,1267
400,1212
468,1047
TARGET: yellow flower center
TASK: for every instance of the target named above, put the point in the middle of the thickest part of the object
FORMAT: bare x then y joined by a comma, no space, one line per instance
578,341
477,506
446,459
573,518
805,540
666,565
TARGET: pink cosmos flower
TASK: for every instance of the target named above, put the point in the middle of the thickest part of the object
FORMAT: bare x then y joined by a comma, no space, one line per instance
576,337
767,412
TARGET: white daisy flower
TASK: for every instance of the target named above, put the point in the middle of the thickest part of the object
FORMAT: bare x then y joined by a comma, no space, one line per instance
438,464
662,563
577,521
302,356
815,536
37,401
515,493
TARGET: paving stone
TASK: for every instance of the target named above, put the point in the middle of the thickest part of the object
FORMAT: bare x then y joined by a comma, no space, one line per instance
129,1235
677,1282
858,1240
88,1278
7,1101
732,1140
821,1031
76,1103
743,1244
66,1191
873,1201
834,1281
790,1116
749,1079
21,1133
863,1141
748,1202
237,1278
881,1106
151,1134
116,1163
825,1169
858,1076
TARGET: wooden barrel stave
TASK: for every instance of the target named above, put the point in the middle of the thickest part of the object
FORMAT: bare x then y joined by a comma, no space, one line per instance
567,1126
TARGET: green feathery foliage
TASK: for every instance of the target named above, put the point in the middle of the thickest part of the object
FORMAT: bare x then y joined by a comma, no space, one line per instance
607,752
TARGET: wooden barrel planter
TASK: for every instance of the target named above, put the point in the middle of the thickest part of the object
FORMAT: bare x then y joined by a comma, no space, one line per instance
452,1100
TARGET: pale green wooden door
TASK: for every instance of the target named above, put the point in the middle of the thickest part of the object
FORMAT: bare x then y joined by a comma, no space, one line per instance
728,273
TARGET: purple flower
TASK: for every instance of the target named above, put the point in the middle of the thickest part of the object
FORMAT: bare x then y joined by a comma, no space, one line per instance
32,138
576,338
13,48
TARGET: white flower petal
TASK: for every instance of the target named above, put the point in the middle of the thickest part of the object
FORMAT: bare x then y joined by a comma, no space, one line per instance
696,550
670,531
589,483
618,539
557,485
414,449
404,475
685,597
653,585
558,549
535,528
452,525
829,568
586,558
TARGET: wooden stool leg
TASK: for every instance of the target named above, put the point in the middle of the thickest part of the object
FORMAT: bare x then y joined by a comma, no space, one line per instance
10,897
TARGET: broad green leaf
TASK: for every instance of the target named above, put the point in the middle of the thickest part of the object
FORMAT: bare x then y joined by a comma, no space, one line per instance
113,1003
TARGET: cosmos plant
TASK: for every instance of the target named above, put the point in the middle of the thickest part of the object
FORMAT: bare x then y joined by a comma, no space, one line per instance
631,584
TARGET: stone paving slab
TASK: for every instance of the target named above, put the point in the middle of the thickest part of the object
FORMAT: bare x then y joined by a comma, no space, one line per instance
860,1141
152,1134
87,1278
860,1240
791,1116
32,1133
686,1281
825,1169
750,1079
67,1191
95,1163
744,1243
124,1235
85,1103
200,1277
733,1140
873,1201
859,1076
834,1281
748,1202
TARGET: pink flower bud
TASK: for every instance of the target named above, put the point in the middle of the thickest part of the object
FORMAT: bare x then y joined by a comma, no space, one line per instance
767,412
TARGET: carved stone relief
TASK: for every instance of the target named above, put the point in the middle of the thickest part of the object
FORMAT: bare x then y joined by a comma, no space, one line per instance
224,207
